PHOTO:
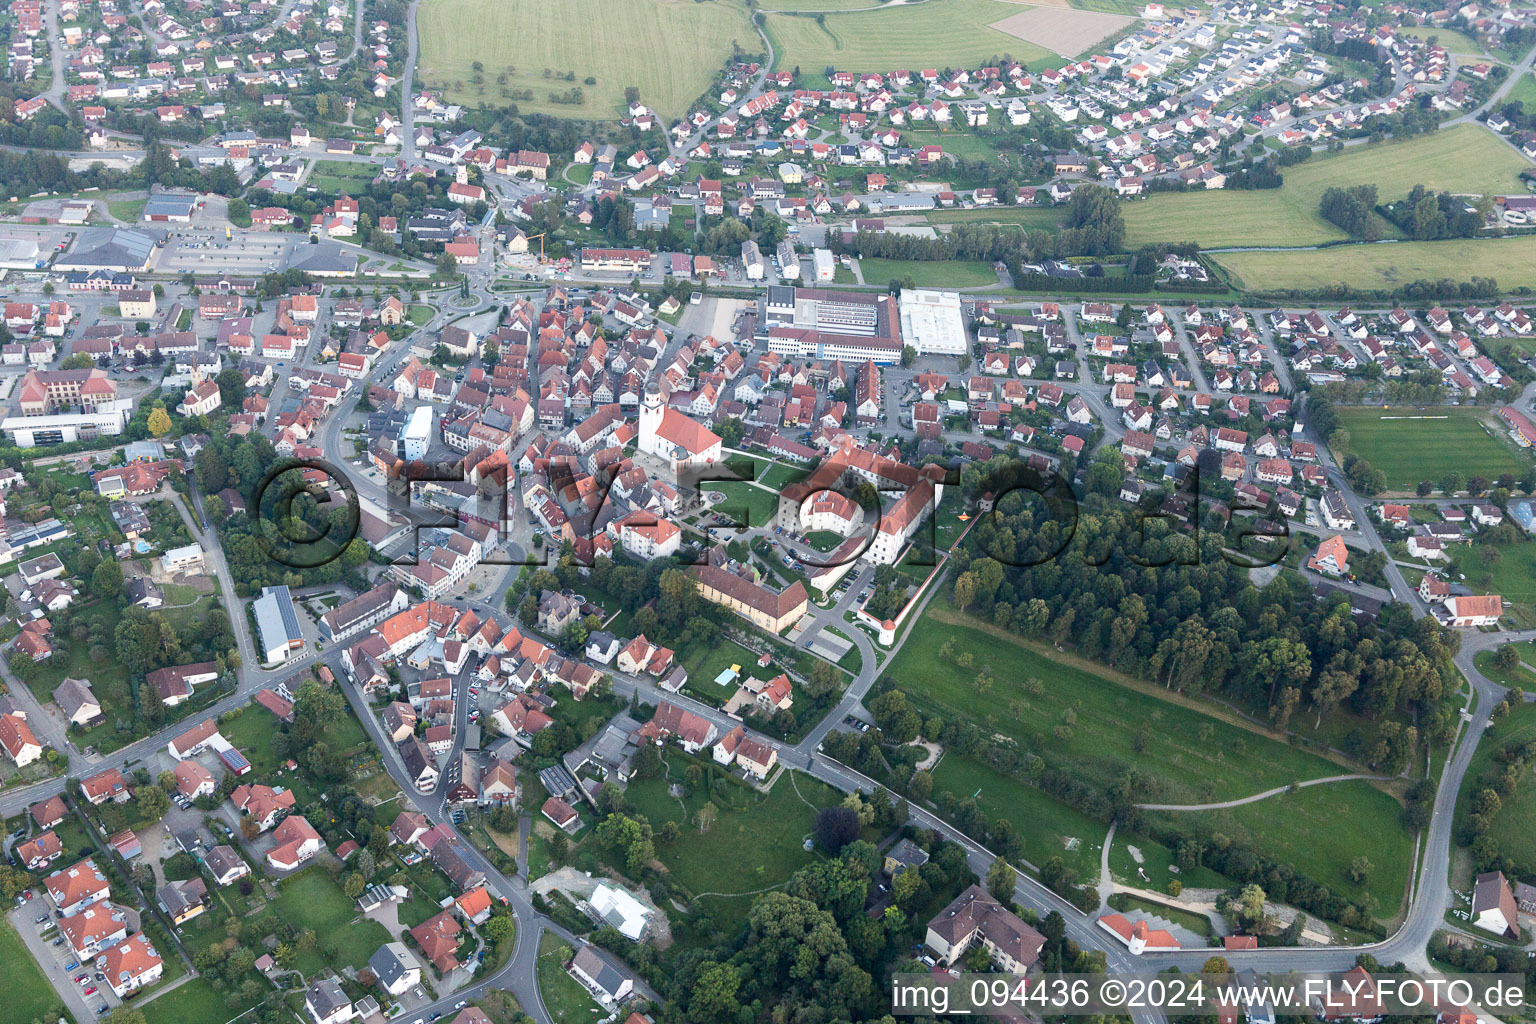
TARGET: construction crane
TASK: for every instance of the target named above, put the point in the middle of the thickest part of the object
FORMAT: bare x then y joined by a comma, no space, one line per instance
540,237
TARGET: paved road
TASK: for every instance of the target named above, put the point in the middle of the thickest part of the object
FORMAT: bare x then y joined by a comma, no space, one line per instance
407,90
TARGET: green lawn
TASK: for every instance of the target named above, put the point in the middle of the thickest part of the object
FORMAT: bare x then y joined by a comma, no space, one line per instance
194,1001
823,540
341,176
31,997
1321,830
1466,158
1509,261
1197,923
967,145
1511,572
311,900
703,664
1030,218
419,314
929,274
1523,91
1521,676
670,51
1050,827
1453,41
252,732
937,33
756,842
564,997
745,503
1514,828
1409,449
1085,722
1091,722
127,210
780,475
1156,864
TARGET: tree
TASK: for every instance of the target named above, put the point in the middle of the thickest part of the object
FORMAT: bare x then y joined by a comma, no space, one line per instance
1360,870
648,763
353,885
713,996
835,827
499,927
23,667
107,580
153,802
1001,879
706,816
1506,658
159,421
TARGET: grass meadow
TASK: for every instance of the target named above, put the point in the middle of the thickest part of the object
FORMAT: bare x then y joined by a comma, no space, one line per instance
1509,261
1464,159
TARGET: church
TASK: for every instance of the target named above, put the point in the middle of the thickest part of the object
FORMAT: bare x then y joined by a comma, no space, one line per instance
682,443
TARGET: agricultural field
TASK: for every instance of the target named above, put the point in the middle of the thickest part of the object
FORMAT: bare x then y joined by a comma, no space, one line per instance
1409,450
938,32
1064,30
929,273
813,5
1463,159
669,51
1320,830
1510,261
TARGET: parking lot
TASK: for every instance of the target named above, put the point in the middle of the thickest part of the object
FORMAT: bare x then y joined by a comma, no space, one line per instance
205,251
58,961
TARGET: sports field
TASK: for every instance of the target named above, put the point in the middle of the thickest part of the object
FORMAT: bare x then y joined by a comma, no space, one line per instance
1510,261
1464,159
1408,450
670,51
934,33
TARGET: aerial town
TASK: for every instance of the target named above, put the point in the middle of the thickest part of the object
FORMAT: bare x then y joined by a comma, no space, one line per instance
664,513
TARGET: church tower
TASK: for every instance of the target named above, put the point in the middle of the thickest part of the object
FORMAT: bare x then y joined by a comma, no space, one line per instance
652,409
